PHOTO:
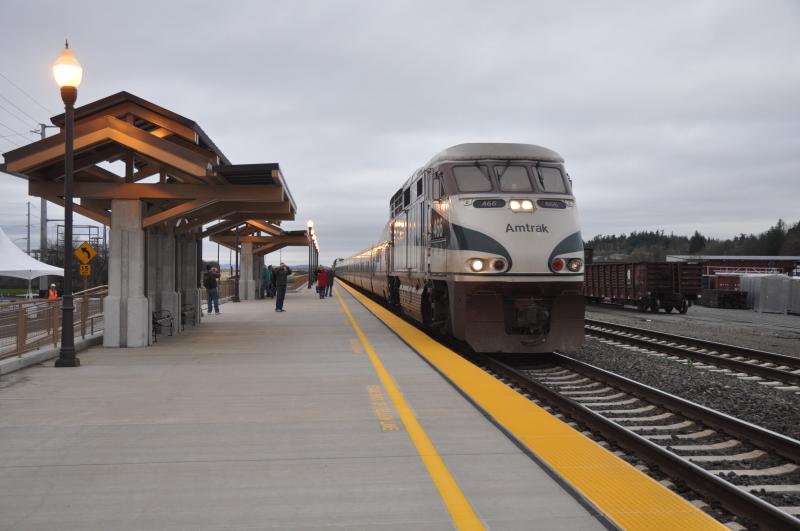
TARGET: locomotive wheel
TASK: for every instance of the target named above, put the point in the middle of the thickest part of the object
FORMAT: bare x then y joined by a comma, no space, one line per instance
684,306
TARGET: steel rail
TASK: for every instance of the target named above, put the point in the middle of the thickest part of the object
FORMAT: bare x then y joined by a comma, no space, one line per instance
762,355
734,499
714,359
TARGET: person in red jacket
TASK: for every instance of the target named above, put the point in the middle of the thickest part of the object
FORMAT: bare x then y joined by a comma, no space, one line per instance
322,282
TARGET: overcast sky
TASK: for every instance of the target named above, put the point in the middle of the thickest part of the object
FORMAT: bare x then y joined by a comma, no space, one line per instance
670,115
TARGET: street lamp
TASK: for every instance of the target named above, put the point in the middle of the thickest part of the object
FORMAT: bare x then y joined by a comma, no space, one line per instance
68,74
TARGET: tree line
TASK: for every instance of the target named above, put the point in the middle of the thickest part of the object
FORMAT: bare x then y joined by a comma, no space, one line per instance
779,240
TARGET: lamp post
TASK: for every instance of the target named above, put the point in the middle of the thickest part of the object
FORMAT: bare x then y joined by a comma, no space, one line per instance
309,232
68,74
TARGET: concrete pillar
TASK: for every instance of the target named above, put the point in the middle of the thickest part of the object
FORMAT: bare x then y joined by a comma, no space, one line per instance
247,285
126,310
151,268
187,276
168,296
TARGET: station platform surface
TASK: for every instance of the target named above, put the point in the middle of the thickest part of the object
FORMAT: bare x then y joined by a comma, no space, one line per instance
255,420
265,420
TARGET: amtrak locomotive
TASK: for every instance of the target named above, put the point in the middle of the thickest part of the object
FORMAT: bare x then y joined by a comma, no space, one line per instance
483,244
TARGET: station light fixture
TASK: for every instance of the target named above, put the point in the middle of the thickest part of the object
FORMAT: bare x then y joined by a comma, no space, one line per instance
67,70
68,74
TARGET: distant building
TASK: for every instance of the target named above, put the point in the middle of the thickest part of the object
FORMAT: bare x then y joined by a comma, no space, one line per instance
724,272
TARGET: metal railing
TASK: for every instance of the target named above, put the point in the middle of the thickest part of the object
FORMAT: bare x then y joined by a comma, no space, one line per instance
29,325
226,289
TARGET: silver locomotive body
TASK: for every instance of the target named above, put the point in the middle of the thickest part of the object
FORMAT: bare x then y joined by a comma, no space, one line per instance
483,244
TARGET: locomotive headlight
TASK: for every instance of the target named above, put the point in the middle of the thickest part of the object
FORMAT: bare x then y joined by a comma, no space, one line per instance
476,265
527,205
514,205
574,264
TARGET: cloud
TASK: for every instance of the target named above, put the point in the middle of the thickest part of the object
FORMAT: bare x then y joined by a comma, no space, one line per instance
679,116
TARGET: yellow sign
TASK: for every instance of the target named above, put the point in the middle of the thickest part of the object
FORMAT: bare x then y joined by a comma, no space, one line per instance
86,270
85,253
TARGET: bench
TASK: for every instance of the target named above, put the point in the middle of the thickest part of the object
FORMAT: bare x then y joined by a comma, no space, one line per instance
162,318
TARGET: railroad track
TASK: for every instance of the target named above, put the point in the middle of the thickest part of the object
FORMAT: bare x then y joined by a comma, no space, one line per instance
777,370
752,472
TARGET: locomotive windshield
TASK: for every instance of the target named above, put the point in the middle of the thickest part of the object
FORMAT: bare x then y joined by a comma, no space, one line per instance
551,180
472,178
510,178
513,179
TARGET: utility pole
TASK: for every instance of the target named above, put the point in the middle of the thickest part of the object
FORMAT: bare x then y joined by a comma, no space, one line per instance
43,286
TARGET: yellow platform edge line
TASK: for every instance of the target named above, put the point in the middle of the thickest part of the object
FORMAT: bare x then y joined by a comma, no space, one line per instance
627,497
455,501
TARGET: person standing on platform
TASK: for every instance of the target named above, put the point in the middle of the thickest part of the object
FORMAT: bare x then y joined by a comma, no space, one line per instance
266,280
322,282
331,276
210,283
281,281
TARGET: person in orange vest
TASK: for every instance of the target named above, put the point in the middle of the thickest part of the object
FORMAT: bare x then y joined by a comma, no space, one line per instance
52,294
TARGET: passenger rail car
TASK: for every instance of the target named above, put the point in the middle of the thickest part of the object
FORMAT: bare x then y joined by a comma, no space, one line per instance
483,244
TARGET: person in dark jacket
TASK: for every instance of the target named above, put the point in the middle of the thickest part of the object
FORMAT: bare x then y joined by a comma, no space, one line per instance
281,281
331,276
210,283
322,282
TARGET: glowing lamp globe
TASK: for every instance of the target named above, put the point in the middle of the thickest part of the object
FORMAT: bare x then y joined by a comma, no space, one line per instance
67,70
310,224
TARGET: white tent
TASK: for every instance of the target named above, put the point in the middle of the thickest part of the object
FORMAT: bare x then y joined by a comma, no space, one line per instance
15,263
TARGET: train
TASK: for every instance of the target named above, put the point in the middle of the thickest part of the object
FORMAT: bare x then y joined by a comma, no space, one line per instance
483,244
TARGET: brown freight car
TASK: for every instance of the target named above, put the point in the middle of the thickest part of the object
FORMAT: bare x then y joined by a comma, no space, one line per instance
646,285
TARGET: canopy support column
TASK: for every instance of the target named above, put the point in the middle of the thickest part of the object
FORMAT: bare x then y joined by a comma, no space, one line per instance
126,310
247,283
169,298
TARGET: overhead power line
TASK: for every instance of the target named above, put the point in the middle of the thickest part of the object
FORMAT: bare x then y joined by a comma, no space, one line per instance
15,115
8,139
15,134
35,120
26,94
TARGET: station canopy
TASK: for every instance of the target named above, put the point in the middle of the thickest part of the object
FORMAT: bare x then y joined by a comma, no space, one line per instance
126,147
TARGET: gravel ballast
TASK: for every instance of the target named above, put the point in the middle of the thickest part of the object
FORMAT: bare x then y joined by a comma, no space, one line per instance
764,331
773,409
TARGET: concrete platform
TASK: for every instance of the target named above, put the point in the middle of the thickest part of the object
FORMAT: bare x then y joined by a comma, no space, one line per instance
256,420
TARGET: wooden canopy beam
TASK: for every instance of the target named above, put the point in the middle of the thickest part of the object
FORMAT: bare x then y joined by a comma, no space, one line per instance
119,190
107,128
266,227
174,212
97,216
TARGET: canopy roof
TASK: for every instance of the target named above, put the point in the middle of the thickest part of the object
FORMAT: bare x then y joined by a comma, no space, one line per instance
167,161
15,263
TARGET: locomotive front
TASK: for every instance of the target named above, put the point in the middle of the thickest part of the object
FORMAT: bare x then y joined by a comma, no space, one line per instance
513,251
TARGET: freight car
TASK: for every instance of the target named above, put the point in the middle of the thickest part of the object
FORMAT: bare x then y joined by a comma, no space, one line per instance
647,285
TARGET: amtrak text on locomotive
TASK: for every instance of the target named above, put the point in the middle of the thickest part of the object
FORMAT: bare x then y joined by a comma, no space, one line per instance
527,228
